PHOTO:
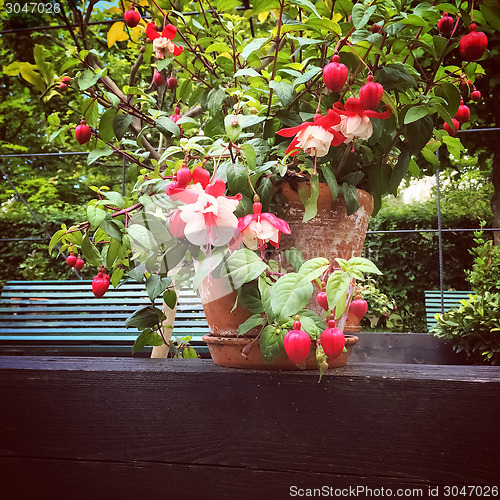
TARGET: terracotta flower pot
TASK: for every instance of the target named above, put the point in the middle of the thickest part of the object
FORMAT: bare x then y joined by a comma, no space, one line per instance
332,233
352,325
226,351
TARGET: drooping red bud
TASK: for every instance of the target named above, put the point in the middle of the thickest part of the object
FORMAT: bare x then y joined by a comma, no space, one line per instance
473,45
176,225
71,259
445,24
335,74
132,17
217,188
202,176
79,264
172,83
332,341
358,307
183,177
451,131
322,300
158,79
66,79
370,94
297,345
463,113
100,285
475,95
375,28
63,87
83,133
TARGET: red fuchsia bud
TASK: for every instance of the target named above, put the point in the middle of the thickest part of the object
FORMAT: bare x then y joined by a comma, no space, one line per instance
100,285
183,177
370,94
463,113
297,344
257,207
66,79
475,95
322,300
335,74
83,133
202,176
176,225
177,110
375,28
473,45
172,83
63,87
177,114
71,259
107,276
465,87
358,308
217,188
171,187
332,340
158,79
132,17
449,129
79,264
445,24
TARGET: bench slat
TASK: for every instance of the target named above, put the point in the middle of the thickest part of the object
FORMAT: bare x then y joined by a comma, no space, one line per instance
434,305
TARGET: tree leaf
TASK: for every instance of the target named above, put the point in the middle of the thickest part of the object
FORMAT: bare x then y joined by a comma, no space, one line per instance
284,91
142,236
312,269
249,298
106,125
265,294
168,127
90,252
121,124
156,285
243,266
146,317
351,198
415,113
287,298
331,181
116,33
363,265
95,215
254,45
249,154
310,202
400,170
361,15
56,238
336,285
419,133
98,153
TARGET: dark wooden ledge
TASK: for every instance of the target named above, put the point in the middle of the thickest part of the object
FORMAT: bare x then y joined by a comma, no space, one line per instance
141,428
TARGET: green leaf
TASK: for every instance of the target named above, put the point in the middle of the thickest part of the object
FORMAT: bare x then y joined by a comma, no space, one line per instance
90,252
295,258
400,170
287,298
249,298
415,113
111,229
87,79
146,317
106,125
284,91
419,134
170,298
254,45
243,266
363,265
156,285
336,286
252,322
443,113
309,75
331,181
45,68
113,251
121,124
249,154
98,153
451,95
142,236
95,215
351,198
114,198
208,263
318,321
271,343
189,352
214,101
361,15
395,77
147,337
265,294
311,202
311,270
233,127
56,239
168,127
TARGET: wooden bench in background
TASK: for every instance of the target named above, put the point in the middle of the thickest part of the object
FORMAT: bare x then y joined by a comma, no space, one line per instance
64,317
433,303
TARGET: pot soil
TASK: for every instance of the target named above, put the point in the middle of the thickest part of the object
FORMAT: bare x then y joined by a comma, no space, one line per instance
226,351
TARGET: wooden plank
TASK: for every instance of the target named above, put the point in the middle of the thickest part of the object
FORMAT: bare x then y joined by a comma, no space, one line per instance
34,478
90,309
383,421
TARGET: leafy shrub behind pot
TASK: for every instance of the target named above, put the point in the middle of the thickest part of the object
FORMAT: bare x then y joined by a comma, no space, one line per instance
473,328
485,274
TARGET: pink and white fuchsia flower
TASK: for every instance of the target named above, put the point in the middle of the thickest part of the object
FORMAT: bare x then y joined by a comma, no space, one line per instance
315,138
210,220
162,43
355,119
259,228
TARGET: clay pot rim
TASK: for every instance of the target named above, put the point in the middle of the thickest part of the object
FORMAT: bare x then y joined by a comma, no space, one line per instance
208,339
